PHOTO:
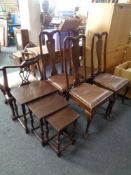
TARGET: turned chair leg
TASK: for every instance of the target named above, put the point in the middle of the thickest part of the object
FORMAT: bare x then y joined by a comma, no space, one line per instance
14,108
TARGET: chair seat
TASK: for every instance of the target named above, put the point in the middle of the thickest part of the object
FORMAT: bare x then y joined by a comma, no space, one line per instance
59,81
14,79
62,118
90,95
111,82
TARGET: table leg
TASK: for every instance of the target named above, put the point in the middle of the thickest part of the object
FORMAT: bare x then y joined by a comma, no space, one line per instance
25,119
42,133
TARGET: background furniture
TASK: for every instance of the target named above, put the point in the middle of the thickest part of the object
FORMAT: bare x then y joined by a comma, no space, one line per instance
22,38
69,24
3,32
114,19
124,70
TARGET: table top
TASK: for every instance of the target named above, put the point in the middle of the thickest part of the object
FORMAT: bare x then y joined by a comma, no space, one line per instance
48,105
32,91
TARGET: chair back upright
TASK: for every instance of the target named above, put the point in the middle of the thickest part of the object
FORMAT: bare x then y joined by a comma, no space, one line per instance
98,48
53,44
76,51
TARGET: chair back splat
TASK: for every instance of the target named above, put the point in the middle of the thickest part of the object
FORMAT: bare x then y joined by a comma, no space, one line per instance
57,75
25,69
99,44
75,58
22,74
53,44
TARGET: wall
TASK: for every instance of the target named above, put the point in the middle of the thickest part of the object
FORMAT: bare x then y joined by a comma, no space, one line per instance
30,19
34,18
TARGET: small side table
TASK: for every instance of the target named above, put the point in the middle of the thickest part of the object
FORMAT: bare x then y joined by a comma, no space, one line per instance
30,92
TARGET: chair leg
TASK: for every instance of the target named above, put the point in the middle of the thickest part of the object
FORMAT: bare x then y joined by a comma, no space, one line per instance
6,101
89,120
126,91
14,108
110,106
66,94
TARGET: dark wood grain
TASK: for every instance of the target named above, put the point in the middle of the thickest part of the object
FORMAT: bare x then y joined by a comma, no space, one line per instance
32,91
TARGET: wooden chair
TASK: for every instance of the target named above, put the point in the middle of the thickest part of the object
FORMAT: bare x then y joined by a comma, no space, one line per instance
101,78
88,96
15,76
57,77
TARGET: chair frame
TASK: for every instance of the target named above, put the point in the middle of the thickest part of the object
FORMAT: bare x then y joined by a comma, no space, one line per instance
77,81
99,44
24,73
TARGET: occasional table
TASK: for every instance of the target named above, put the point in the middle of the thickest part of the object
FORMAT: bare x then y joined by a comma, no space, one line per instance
31,92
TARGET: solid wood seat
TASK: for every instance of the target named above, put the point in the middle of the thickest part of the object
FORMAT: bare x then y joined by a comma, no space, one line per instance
88,96
106,80
60,121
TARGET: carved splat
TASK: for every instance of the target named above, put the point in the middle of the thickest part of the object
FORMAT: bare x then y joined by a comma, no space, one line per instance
75,56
